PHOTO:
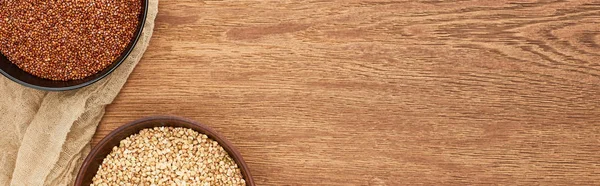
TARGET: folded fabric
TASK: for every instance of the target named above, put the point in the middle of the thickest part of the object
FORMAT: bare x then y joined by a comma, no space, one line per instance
44,136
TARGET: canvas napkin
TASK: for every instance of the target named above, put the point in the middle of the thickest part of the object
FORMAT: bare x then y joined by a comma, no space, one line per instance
44,136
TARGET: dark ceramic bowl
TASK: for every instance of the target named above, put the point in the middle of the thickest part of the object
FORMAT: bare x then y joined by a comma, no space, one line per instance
11,71
101,150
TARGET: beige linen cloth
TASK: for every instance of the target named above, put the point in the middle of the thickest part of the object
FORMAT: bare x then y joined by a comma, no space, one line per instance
44,136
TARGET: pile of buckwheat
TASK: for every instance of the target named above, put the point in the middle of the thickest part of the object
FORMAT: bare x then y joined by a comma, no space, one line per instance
168,156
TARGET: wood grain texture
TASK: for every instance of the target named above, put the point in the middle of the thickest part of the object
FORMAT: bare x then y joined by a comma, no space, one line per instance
380,92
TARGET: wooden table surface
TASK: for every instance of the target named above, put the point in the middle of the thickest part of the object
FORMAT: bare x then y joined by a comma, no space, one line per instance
379,92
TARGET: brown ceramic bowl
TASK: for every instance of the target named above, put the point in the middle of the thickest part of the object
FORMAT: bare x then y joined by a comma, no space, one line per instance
101,150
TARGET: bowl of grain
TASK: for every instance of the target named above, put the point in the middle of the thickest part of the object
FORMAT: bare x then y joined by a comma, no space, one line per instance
65,45
164,150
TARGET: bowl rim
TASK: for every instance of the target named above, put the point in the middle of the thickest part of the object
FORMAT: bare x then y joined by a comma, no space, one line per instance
228,146
138,34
